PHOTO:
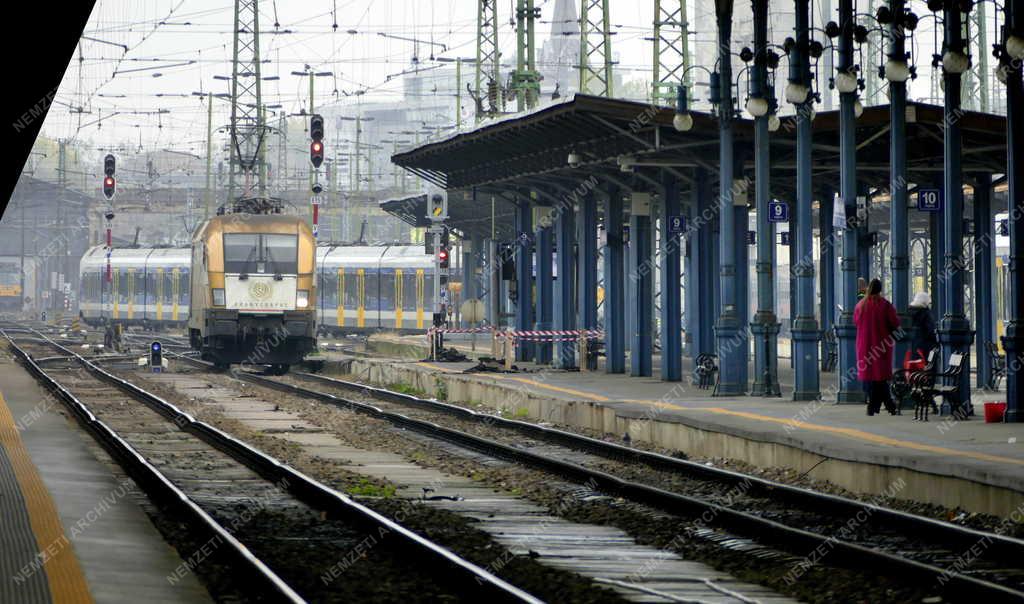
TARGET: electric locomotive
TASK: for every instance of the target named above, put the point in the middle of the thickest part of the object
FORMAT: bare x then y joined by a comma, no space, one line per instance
253,290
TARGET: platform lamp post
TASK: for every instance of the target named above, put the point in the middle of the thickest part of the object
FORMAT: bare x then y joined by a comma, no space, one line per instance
954,329
848,83
765,326
799,93
1011,59
901,24
729,333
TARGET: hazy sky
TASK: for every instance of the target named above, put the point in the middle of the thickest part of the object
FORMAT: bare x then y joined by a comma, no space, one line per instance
177,47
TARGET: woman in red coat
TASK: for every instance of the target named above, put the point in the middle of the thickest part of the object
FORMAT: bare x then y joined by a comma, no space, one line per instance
876,321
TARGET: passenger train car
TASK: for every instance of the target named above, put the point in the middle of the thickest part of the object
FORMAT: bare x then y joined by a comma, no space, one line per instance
253,290
145,287
384,288
10,283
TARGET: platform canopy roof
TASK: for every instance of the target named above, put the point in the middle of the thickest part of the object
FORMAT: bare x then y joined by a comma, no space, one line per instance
628,143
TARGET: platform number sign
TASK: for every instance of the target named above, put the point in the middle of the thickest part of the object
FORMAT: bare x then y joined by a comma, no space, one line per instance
676,224
785,237
778,211
751,237
929,200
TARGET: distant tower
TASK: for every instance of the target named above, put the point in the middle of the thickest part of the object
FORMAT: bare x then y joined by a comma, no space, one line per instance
560,53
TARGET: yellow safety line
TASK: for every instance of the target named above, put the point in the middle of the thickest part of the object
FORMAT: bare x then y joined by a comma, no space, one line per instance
63,573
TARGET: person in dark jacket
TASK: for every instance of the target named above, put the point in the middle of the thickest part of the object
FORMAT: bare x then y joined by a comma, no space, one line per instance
876,321
924,340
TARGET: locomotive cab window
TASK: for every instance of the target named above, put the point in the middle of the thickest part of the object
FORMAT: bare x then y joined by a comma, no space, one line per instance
272,254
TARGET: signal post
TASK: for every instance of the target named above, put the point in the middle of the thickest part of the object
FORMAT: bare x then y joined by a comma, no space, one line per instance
437,231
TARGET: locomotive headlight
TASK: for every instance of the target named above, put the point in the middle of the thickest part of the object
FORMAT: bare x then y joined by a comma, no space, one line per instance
218,296
302,298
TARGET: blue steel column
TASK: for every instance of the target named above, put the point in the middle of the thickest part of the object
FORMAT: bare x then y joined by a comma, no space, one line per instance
954,329
524,277
545,282
938,252
805,326
671,320
565,286
983,262
701,297
1013,341
728,329
471,286
827,253
765,325
587,265
642,302
741,224
850,390
614,285
899,223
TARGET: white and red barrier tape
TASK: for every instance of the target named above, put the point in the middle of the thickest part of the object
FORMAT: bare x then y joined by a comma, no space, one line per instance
553,336
460,330
528,336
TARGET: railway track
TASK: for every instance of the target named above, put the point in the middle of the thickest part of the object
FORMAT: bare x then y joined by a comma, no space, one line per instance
960,562
273,531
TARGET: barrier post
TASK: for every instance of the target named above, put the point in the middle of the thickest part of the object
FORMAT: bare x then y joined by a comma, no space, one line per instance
583,350
510,352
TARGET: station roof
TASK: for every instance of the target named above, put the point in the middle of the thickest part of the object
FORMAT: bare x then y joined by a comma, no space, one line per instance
527,154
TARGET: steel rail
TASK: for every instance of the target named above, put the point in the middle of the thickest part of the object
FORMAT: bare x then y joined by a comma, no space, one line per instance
313,493
787,537
158,486
1001,545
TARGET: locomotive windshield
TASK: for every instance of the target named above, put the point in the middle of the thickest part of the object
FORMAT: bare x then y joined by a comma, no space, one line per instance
261,253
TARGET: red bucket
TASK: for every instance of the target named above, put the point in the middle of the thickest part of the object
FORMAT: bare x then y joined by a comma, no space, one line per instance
994,411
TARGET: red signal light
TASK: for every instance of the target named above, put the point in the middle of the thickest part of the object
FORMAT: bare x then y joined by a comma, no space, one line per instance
108,187
316,153
442,257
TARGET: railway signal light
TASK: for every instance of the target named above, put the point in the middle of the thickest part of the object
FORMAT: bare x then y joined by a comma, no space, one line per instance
108,165
316,153
316,127
108,187
156,356
443,257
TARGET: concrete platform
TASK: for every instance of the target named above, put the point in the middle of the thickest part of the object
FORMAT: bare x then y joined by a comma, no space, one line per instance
70,531
976,466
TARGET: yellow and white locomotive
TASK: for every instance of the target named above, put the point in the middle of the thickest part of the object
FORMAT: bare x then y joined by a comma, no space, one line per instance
253,290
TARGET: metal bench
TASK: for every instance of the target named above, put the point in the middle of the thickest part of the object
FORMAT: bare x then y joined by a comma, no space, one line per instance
705,367
998,365
926,385
901,388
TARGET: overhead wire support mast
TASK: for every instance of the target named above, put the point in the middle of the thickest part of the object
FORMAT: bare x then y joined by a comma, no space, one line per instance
595,48
525,79
671,49
488,61
247,128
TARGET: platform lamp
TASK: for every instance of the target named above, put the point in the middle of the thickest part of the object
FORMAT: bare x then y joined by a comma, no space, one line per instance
761,102
953,60
683,120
